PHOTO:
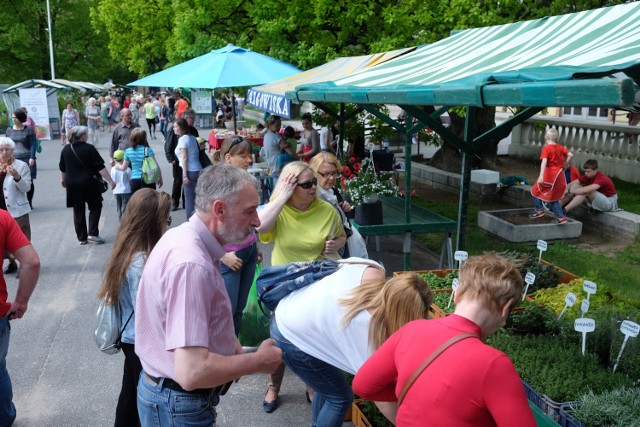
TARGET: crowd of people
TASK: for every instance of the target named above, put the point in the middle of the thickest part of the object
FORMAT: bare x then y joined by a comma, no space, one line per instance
182,290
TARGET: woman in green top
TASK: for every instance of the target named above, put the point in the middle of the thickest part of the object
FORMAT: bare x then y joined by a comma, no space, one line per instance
302,228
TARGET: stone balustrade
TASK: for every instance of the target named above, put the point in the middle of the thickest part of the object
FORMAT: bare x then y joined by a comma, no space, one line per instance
615,147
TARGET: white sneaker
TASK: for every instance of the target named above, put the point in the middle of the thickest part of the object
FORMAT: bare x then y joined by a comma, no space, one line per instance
96,239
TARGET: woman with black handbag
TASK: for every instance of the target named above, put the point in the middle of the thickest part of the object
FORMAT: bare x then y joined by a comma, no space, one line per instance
81,169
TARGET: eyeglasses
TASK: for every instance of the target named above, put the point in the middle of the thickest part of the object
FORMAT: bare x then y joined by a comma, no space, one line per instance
307,185
335,174
235,141
169,220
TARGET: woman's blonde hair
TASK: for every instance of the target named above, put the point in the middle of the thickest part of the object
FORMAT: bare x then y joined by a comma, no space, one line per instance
142,224
490,279
296,168
393,303
324,157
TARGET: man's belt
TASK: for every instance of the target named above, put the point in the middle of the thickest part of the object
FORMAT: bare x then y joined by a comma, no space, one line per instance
171,384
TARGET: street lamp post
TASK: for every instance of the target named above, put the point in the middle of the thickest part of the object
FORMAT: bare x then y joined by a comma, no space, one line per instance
53,69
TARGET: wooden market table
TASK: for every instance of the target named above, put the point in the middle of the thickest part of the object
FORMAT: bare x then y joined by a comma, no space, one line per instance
421,221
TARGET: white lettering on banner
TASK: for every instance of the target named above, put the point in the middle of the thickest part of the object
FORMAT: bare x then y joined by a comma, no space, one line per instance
630,328
272,103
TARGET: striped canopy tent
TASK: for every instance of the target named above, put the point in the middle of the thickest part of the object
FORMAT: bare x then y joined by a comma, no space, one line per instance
271,97
589,58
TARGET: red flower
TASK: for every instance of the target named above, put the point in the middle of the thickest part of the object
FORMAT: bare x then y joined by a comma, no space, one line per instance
346,171
356,167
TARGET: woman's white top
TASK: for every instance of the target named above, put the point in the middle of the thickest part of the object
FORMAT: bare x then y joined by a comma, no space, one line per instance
189,143
311,319
326,136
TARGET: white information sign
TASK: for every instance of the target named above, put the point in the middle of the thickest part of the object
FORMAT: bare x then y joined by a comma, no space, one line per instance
584,325
201,101
460,256
585,306
629,329
35,100
542,246
454,287
529,279
569,300
589,287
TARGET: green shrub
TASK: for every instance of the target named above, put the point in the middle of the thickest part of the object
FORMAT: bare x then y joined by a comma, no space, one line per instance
615,408
441,299
555,366
533,319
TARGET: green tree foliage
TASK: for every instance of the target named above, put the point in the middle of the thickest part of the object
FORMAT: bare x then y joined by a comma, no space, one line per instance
150,36
79,53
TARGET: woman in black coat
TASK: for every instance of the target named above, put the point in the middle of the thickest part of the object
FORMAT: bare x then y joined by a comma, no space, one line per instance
80,167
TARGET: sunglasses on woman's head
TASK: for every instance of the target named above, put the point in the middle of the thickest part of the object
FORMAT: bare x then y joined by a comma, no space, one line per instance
307,185
235,141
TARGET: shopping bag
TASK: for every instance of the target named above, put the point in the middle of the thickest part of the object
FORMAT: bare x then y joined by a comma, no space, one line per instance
255,325
150,169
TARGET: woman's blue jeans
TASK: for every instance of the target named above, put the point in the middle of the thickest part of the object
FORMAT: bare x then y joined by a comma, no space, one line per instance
190,193
7,409
238,283
332,394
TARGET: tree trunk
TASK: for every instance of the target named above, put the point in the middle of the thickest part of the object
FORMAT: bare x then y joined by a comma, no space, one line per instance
448,156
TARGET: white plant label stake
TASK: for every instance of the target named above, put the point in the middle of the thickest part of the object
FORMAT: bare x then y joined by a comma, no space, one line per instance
454,286
584,325
542,246
460,256
629,329
529,279
585,306
569,300
590,288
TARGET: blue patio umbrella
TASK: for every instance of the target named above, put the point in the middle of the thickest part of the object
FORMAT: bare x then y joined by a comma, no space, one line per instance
230,66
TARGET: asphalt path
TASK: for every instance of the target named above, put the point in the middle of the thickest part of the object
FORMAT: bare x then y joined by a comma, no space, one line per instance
59,376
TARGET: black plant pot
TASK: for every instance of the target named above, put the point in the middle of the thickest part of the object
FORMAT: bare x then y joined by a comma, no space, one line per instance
369,214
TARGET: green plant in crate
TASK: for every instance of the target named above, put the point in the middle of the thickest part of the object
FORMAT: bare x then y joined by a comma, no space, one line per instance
546,275
615,408
437,282
533,319
554,365
441,299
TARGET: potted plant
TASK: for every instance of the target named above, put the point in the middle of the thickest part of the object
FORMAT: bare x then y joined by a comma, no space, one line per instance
364,191
367,186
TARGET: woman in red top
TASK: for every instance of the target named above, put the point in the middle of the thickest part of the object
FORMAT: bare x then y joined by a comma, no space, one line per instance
470,383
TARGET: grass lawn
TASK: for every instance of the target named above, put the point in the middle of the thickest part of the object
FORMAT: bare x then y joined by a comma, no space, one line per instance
620,270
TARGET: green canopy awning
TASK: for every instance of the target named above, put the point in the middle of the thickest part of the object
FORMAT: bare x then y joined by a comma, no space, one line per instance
551,61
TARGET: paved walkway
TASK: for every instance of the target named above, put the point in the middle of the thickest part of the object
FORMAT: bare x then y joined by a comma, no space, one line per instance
59,376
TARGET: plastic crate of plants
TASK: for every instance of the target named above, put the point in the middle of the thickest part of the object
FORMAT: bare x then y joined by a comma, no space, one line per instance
566,419
549,406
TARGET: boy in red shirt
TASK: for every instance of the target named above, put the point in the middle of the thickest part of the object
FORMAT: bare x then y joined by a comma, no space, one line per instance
595,187
551,184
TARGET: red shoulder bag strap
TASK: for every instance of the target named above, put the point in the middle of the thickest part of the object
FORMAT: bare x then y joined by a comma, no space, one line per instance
407,385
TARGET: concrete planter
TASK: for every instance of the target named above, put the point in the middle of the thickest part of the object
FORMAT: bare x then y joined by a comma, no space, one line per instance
501,223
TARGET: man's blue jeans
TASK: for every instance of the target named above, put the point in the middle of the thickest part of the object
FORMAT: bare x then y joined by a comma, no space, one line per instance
238,283
7,409
160,406
332,394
